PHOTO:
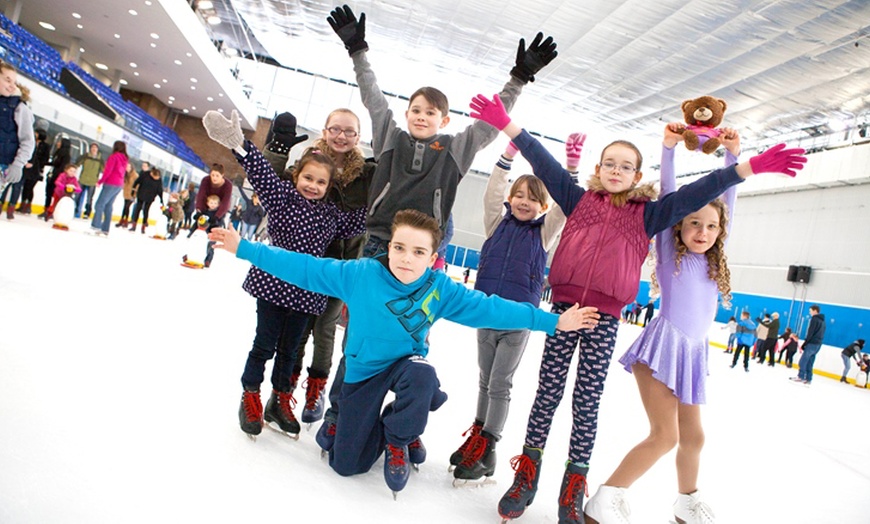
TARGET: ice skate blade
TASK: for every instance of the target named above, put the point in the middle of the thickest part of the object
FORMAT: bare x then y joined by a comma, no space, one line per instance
323,453
253,438
474,483
416,467
291,436
450,468
395,494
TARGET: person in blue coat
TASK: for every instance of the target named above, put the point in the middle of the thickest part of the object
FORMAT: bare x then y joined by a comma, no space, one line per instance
393,300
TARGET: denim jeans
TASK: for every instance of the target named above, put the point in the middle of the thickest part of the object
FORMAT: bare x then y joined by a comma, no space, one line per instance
103,208
278,332
808,359
847,364
85,197
248,231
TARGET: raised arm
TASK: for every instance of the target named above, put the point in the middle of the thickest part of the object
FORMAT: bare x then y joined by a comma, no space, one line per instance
493,197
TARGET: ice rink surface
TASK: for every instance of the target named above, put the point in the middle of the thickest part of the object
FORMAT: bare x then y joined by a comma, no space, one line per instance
119,391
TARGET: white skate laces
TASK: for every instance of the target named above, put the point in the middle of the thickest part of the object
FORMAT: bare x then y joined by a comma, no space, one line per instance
609,505
690,509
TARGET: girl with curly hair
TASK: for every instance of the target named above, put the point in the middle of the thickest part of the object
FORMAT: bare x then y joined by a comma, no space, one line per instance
669,359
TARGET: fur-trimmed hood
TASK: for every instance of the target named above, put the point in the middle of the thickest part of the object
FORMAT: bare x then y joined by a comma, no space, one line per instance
638,193
22,92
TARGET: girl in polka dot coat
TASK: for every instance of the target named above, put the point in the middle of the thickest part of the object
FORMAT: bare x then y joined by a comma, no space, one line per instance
300,220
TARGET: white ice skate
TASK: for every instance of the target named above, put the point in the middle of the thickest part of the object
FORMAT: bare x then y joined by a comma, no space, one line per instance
609,505
690,509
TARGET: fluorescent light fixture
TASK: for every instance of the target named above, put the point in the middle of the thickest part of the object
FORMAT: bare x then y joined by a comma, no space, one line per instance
153,44
81,50
122,82
220,110
46,25
155,36
193,80
188,55
157,86
210,99
171,97
104,67
193,88
165,80
135,73
186,111
133,12
193,108
77,16
178,62
213,20
80,26
133,65
117,35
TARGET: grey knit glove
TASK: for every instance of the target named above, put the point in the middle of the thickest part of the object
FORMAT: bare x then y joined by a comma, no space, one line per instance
227,133
12,175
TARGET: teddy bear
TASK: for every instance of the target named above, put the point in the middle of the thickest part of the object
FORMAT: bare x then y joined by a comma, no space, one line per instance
702,116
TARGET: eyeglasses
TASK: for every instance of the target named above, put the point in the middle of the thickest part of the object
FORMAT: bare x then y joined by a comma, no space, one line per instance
625,169
335,131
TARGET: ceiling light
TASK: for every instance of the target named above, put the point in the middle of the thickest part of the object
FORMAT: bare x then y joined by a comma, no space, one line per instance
220,110
178,62
77,16
104,67
210,99
213,20
205,4
135,73
153,44
171,97
81,50
133,65
80,26
117,35
220,95
133,12
165,80
193,108
155,36
193,80
836,125
157,86
147,2
193,88
186,111
188,55
46,25
122,82
170,102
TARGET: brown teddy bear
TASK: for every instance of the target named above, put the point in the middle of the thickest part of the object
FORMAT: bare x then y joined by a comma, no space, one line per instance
703,115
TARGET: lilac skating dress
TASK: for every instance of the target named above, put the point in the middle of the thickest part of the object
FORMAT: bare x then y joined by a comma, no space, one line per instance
674,344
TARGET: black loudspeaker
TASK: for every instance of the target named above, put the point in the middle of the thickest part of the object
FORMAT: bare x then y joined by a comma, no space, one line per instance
803,274
792,274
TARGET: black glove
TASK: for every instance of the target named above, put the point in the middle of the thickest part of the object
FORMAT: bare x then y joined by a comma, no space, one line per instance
533,59
282,134
351,32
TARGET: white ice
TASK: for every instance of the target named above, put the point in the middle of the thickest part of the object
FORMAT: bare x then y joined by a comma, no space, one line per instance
119,391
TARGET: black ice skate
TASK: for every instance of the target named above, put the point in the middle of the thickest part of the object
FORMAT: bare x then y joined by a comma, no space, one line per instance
479,463
396,470
522,492
416,453
574,487
251,413
279,409
459,454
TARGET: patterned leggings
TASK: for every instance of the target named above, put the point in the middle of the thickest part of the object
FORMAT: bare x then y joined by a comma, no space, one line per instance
596,348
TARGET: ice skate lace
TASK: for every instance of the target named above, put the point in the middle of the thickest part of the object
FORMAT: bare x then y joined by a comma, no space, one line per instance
314,386
576,482
474,451
395,457
253,406
525,471
621,506
475,430
701,512
330,429
286,403
416,444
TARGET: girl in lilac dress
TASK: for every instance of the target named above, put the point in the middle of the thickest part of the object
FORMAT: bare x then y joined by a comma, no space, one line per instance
669,359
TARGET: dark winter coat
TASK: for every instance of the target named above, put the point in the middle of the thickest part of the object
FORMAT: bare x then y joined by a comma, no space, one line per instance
148,188
40,159
8,129
513,259
816,331
60,160
295,224
252,214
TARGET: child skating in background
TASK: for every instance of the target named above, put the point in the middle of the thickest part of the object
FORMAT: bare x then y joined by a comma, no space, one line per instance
597,263
418,168
745,339
731,326
205,220
18,140
669,358
512,263
175,213
66,184
301,220
251,216
393,300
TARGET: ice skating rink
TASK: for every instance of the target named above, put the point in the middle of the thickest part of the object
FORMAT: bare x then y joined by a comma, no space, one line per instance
119,391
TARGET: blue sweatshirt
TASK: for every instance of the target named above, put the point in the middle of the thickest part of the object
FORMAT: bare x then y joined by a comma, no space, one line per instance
389,320
745,332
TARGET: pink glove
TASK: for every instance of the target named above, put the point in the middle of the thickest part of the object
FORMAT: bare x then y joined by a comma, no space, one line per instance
778,159
573,148
492,112
511,150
